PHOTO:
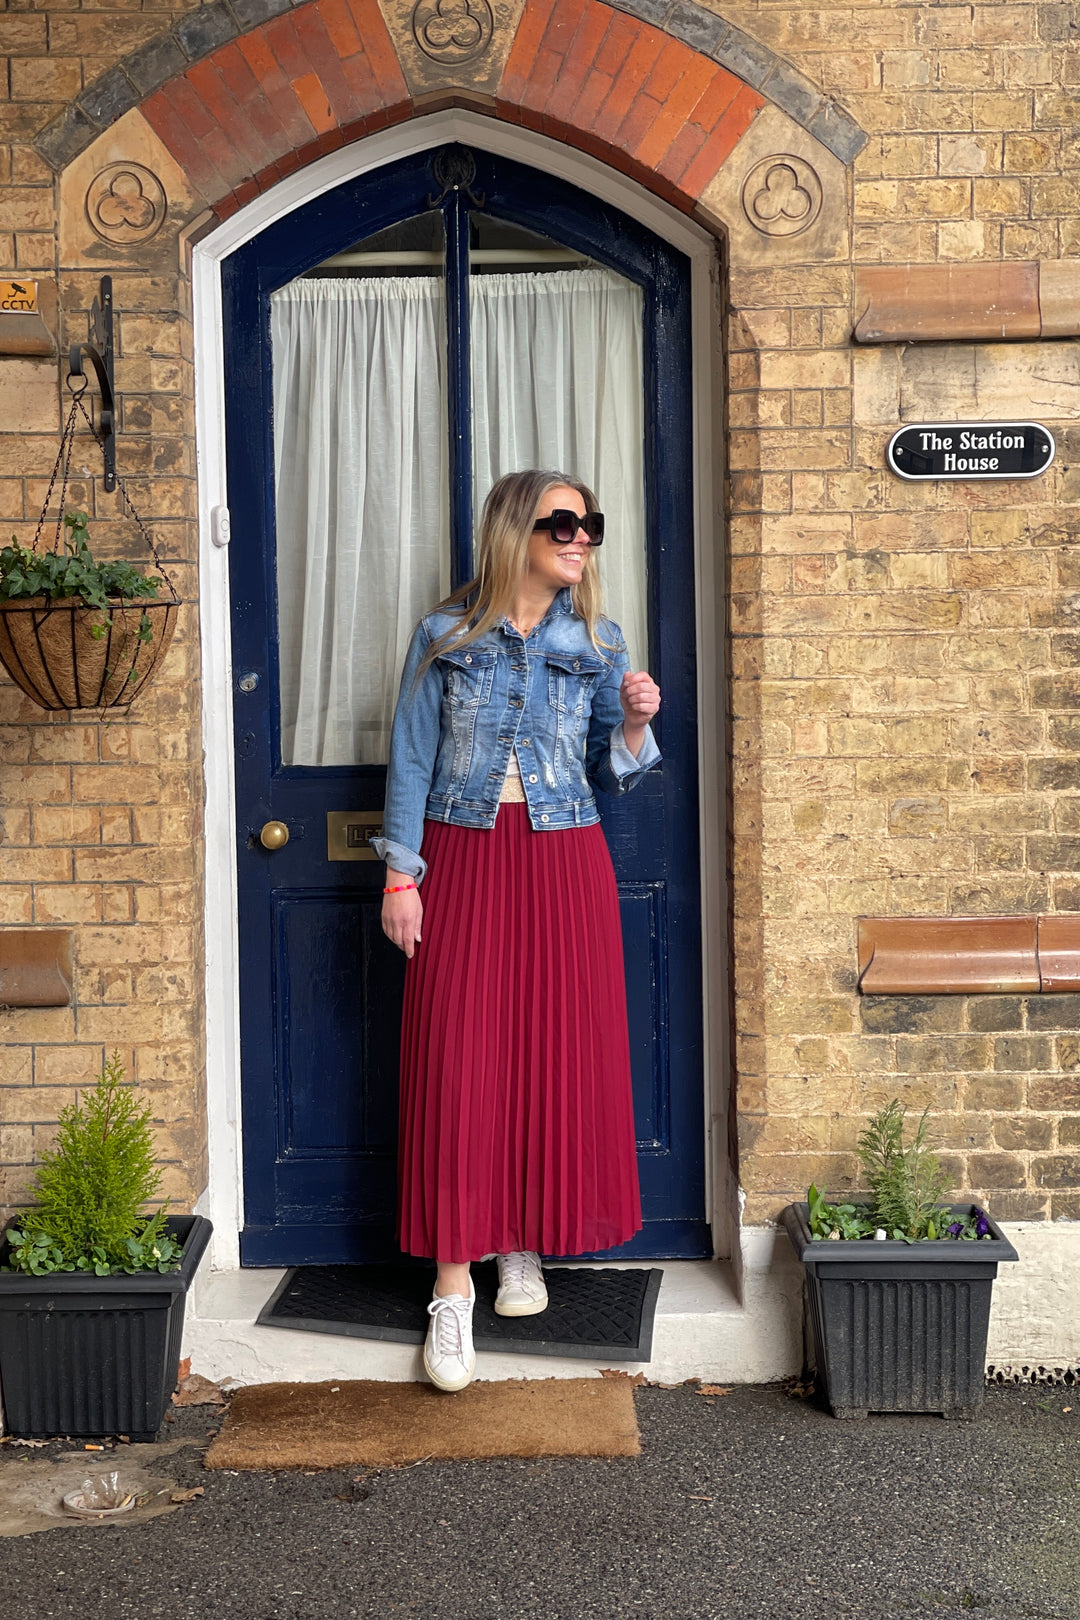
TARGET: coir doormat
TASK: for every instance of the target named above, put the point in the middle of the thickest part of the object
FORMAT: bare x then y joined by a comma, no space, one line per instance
381,1425
593,1311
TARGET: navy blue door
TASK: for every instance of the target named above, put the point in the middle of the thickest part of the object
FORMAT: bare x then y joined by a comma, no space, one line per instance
320,986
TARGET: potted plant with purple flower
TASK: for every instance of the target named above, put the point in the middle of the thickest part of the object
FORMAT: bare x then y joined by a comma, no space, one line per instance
898,1284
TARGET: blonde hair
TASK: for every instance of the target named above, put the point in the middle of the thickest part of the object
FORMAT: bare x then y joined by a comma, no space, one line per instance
503,542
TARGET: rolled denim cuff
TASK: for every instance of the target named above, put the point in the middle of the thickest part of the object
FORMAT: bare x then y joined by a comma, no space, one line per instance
623,762
398,858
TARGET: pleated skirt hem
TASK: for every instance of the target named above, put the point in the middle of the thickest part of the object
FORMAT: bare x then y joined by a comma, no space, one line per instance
516,1120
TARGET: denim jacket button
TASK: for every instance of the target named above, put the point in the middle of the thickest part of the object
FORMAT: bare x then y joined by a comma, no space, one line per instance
545,818
534,779
468,658
577,663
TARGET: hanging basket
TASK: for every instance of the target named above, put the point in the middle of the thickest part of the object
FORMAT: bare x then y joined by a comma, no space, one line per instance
66,653
51,649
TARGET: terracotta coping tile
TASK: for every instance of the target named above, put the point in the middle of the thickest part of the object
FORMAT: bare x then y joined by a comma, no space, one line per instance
35,967
931,302
948,955
1059,952
922,303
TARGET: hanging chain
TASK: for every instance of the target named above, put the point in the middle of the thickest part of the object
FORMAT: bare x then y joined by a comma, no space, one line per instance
63,459
77,405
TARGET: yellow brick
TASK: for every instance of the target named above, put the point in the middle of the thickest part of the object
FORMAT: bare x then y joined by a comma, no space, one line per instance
1002,110
968,69
966,154
1033,66
967,239
1056,194
934,199
1030,154
760,329
67,903
1000,571
1000,197
1003,25
876,199
30,1104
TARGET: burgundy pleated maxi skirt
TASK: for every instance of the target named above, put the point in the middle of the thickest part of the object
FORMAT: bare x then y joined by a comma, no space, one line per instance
516,1125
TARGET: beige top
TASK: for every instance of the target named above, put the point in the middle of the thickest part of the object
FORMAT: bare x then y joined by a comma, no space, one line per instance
512,790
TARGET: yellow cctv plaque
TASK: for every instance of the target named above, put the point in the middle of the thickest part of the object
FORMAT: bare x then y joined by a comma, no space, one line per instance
18,297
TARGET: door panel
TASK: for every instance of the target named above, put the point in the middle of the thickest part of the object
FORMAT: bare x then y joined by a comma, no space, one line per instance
320,986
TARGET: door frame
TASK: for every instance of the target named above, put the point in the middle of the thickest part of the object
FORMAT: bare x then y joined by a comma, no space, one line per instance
223,1200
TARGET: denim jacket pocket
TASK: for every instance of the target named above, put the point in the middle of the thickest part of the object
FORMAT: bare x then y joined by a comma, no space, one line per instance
571,679
469,674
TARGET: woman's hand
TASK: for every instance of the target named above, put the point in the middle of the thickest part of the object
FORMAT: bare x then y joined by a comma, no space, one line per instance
640,699
402,913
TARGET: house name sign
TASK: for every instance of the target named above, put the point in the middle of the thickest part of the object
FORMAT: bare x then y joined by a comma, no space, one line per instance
962,450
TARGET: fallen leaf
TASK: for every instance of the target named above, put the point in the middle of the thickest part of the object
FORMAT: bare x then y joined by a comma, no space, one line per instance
195,1390
617,1372
13,1440
187,1496
796,1389
183,1369
713,1389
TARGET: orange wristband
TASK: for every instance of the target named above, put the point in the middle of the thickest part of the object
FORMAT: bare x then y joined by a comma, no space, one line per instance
399,888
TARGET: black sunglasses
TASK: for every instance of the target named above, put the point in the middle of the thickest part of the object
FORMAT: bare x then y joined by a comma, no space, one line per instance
563,526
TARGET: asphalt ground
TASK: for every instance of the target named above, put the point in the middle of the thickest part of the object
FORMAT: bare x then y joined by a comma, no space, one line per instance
755,1505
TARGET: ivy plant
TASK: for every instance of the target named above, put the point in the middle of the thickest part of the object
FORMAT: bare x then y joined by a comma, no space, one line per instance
73,572
91,1189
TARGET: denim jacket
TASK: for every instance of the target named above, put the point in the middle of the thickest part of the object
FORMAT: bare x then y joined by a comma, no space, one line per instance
552,695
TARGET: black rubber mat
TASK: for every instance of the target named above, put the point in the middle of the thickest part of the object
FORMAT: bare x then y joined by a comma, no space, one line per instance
600,1311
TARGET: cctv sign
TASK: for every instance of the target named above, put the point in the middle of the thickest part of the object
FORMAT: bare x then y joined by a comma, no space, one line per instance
18,297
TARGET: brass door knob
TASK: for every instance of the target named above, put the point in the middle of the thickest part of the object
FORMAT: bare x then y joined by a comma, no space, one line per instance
275,835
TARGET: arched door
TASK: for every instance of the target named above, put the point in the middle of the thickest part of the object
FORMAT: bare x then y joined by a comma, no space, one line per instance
391,348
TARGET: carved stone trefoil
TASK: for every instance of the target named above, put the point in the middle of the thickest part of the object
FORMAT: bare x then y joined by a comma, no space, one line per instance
782,195
126,204
453,32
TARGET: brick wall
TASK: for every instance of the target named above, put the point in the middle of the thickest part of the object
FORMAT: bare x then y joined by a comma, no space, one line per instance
905,694
905,697
101,818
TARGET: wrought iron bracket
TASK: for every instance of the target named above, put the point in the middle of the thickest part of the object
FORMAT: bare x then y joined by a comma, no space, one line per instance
99,351
454,169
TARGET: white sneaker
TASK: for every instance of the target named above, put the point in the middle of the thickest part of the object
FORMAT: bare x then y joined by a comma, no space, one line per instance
449,1357
521,1285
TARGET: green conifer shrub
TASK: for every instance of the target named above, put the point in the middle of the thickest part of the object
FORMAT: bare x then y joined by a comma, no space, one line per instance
91,1188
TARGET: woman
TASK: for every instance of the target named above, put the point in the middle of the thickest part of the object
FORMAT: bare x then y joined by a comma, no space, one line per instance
517,1131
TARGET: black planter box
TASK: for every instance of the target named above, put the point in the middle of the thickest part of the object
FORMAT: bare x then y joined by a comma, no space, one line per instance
899,1327
89,1356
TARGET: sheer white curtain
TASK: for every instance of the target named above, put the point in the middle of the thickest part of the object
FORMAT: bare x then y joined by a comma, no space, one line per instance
557,382
360,447
361,476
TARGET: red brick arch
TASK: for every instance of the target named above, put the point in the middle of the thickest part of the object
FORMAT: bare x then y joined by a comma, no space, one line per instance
326,73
